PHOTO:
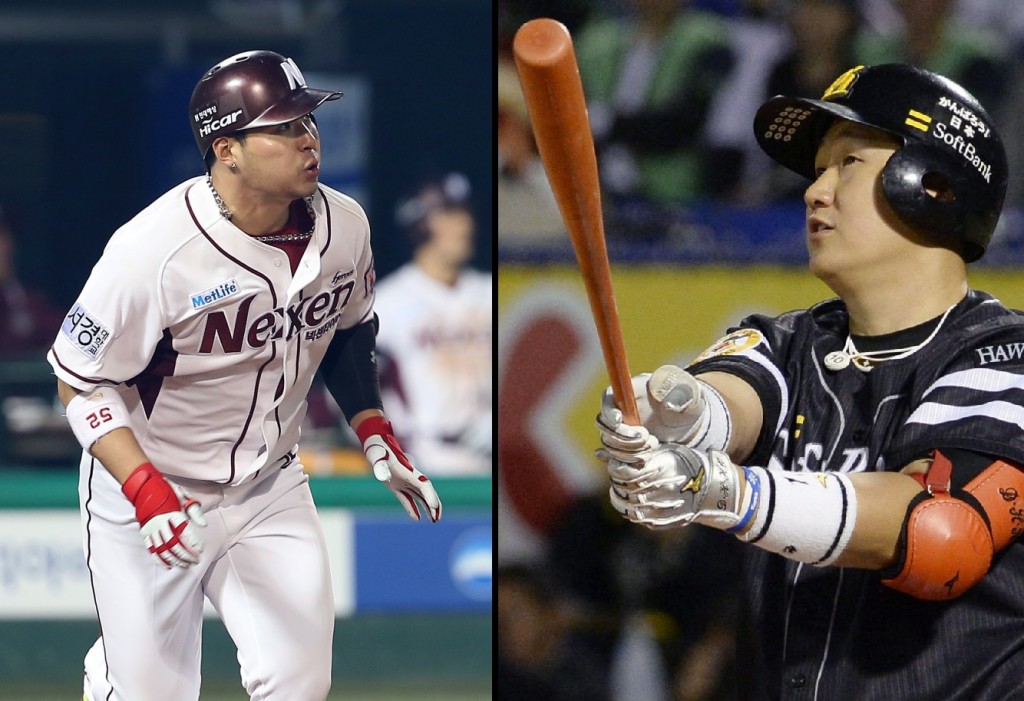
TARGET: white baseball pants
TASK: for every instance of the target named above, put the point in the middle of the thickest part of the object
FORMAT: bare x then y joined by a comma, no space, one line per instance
264,568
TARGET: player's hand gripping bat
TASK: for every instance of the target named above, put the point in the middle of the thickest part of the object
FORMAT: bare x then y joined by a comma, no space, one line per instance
551,84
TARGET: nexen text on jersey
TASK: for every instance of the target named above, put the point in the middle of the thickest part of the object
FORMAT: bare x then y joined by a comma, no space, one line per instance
270,326
215,124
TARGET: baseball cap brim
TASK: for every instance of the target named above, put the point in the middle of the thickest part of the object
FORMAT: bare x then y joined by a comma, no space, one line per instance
789,129
300,103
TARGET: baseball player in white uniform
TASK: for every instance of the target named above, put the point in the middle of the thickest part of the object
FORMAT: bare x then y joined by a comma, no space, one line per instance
184,365
436,347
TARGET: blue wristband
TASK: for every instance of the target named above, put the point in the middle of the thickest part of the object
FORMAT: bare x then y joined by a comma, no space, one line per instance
754,484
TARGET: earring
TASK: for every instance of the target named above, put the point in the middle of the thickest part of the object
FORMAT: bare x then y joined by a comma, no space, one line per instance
233,166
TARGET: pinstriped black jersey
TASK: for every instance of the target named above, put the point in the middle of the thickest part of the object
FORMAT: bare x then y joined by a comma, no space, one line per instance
838,633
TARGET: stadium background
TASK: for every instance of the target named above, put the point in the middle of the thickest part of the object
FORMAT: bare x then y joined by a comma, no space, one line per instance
93,100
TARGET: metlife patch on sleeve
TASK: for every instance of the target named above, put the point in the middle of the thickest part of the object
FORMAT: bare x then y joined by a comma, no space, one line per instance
84,331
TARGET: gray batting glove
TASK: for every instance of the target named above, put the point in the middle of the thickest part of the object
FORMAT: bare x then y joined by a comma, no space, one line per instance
670,407
676,403
675,486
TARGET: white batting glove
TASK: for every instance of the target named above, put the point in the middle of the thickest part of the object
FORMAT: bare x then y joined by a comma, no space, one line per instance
675,486
392,467
168,519
671,409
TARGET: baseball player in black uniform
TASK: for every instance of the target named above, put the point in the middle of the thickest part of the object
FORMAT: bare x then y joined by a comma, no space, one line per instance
870,447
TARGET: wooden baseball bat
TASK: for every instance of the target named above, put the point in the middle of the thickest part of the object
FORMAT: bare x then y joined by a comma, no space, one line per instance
551,85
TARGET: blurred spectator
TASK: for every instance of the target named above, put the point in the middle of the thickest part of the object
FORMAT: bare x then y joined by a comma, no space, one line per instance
536,658
650,75
1011,127
821,34
996,16
925,33
679,586
434,342
758,38
820,42
28,322
527,212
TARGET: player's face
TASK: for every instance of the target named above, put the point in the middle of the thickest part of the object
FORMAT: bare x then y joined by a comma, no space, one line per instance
282,161
451,234
851,230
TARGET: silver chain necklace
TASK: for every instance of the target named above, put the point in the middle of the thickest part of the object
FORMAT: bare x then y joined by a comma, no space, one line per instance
284,237
273,238
224,211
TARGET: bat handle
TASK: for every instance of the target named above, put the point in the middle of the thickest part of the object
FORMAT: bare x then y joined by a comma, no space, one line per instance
622,390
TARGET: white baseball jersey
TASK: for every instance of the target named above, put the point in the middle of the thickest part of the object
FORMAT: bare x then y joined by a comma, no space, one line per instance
439,339
207,335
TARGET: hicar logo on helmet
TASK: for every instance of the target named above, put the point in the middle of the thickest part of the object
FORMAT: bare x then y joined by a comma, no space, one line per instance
248,90
949,143
209,126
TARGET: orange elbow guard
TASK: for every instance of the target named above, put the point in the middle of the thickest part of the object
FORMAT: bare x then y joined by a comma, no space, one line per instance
947,548
1000,491
946,544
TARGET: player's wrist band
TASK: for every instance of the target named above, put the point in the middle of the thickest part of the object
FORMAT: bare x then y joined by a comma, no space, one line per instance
804,516
751,498
373,426
94,414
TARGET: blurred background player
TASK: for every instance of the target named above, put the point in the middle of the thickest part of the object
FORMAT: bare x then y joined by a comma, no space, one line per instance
434,343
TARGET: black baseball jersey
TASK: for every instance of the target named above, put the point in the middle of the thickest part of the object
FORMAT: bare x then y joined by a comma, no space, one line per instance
837,633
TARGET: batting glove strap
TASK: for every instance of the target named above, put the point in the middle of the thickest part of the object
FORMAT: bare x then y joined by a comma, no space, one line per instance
169,521
150,493
394,468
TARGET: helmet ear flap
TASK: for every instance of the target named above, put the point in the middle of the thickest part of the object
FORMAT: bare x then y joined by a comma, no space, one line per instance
929,190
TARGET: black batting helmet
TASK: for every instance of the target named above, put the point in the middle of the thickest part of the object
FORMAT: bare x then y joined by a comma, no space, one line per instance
948,140
247,90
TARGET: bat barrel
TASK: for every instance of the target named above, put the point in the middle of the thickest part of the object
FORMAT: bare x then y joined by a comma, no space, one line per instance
549,74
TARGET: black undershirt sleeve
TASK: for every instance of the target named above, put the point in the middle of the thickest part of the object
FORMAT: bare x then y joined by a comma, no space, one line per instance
349,369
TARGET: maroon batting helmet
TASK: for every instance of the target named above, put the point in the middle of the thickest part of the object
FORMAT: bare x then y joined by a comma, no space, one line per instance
449,192
248,90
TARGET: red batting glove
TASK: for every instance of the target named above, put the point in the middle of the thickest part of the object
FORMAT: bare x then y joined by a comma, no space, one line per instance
392,467
169,521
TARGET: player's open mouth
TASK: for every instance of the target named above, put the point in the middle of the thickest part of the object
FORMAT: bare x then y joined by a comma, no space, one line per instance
313,168
818,226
